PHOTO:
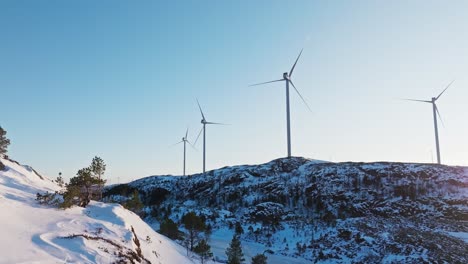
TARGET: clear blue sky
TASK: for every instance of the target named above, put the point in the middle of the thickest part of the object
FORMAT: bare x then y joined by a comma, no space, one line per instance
119,79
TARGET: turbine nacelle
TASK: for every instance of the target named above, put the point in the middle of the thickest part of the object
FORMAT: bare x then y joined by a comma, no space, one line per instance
434,99
203,121
286,76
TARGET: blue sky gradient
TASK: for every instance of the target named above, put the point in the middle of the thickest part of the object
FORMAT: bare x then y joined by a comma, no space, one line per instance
119,79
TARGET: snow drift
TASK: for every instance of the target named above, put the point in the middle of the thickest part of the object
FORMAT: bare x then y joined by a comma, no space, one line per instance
100,233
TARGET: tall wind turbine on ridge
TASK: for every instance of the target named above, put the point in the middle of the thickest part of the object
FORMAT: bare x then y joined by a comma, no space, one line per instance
204,123
185,140
287,78
435,113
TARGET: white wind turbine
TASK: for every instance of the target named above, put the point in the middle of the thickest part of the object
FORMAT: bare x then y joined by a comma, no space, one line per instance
185,141
435,113
287,78
204,123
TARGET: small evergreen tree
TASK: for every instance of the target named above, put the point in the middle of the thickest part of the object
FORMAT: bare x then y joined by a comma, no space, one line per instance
4,142
134,203
60,182
208,232
71,197
203,250
234,251
238,229
259,259
194,225
170,229
98,167
80,189
48,198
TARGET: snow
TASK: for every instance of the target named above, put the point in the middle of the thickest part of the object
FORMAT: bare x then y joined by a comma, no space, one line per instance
222,237
462,235
33,233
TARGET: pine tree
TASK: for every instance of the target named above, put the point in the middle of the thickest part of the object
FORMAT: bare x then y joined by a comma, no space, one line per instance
4,142
234,251
98,167
238,229
259,259
60,182
79,190
134,203
203,250
194,225
169,228
70,197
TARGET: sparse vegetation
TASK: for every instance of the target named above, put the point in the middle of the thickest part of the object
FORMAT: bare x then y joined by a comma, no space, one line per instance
124,254
4,142
194,225
98,168
170,229
82,188
60,182
234,251
259,259
341,206
203,250
49,198
134,203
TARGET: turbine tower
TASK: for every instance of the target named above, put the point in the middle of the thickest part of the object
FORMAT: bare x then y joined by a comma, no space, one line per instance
435,113
287,78
185,140
204,123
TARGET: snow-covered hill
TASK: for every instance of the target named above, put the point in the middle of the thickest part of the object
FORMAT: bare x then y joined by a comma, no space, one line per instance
100,233
306,210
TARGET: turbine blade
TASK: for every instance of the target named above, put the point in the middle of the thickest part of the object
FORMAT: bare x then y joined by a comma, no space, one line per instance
201,111
294,66
213,123
176,143
297,91
440,117
414,100
186,134
199,133
266,82
445,89
193,146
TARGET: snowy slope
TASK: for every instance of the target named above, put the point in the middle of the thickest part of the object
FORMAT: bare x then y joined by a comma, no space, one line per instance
100,233
310,211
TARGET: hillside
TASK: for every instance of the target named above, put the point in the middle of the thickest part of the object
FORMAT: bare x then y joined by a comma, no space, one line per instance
305,210
100,233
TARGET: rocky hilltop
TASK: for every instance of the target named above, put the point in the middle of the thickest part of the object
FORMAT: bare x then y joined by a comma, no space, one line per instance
318,211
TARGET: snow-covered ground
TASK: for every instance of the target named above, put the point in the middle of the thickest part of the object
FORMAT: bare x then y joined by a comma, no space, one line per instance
305,211
461,235
222,237
33,233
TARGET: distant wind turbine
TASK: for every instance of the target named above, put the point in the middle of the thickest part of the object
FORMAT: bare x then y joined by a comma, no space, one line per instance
185,140
287,79
435,112
204,123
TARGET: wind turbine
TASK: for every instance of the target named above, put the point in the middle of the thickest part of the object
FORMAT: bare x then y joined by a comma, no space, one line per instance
287,78
435,113
185,141
204,123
